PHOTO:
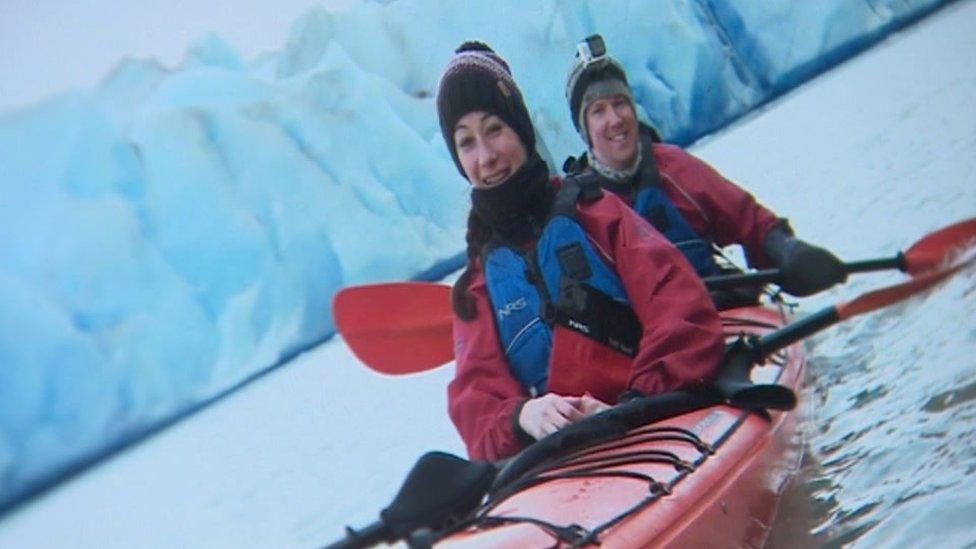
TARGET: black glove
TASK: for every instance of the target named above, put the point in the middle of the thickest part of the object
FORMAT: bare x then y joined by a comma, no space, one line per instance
805,269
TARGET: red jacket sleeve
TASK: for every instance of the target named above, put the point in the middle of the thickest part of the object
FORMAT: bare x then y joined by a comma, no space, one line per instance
682,340
713,205
483,395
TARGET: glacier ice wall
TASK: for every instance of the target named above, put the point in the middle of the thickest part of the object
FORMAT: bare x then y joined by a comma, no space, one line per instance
177,231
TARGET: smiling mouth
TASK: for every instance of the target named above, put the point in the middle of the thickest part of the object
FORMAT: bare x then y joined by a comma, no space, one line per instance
495,178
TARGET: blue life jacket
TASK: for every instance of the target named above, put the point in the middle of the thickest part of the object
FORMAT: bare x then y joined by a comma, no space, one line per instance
653,204
521,285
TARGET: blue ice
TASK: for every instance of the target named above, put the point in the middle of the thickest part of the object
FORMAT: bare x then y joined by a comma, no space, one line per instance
176,231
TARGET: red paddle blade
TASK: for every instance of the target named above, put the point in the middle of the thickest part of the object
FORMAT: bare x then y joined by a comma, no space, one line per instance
890,295
932,251
397,328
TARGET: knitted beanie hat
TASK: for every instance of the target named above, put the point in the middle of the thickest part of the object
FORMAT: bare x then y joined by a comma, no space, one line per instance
590,80
477,79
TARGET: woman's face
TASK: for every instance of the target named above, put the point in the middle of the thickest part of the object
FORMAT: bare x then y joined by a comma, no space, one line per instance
612,126
489,149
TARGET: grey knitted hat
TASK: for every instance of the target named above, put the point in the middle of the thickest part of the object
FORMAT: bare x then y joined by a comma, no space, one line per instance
592,80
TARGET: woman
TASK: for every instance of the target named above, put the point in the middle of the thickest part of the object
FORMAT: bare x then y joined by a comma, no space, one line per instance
568,298
687,200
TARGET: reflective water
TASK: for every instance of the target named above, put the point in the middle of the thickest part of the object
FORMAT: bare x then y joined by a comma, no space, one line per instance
891,434
865,161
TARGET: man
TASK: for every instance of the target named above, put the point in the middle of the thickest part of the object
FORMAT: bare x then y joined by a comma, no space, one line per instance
684,198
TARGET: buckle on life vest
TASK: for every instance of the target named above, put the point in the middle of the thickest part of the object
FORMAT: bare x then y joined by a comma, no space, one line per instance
572,261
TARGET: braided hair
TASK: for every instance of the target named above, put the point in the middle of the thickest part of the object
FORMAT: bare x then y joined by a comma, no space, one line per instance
476,237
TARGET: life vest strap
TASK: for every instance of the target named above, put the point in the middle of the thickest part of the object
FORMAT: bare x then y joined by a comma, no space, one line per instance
560,284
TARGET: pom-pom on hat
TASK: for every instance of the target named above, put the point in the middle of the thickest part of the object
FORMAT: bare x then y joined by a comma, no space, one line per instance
477,79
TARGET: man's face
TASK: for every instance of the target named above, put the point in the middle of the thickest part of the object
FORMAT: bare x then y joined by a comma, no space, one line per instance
611,124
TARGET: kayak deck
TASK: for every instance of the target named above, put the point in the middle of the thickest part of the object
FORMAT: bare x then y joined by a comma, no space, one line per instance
711,477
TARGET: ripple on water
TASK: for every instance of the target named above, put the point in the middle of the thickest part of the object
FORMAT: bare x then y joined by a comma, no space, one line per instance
893,429
948,399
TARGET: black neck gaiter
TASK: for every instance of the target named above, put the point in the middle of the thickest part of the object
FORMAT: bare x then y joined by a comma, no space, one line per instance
517,209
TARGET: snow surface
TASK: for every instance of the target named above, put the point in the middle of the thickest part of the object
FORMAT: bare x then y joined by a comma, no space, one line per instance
863,160
176,232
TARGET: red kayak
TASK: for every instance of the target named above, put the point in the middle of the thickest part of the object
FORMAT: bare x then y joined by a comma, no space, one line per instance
707,478
679,469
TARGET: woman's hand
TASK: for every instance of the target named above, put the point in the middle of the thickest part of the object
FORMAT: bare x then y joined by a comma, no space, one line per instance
543,416
590,405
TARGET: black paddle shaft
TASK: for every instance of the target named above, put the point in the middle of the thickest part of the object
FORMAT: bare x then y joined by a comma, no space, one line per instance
771,276
793,332
880,264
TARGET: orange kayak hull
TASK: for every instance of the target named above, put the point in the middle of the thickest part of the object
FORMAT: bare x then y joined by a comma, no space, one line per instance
719,490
